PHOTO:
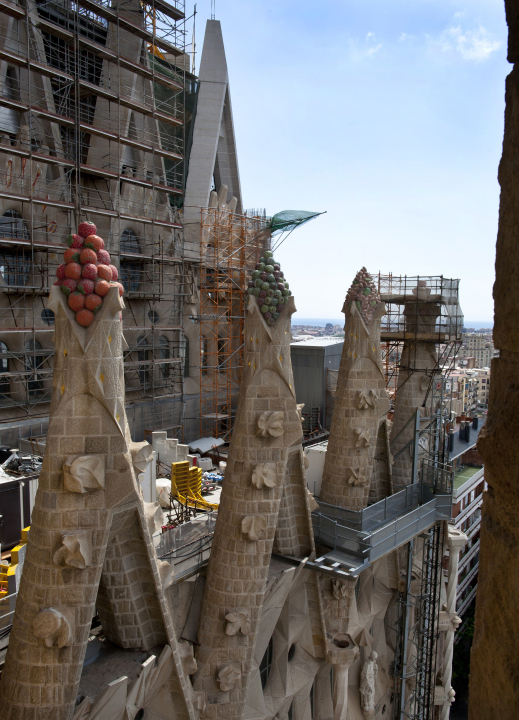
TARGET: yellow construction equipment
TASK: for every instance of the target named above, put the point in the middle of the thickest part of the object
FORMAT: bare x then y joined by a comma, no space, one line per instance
186,486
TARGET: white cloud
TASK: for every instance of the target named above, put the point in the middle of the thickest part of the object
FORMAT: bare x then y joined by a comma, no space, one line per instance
361,50
477,45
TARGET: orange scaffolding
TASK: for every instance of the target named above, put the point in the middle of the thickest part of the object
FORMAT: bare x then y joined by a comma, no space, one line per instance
231,245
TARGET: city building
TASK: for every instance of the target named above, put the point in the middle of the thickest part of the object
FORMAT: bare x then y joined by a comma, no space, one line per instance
478,346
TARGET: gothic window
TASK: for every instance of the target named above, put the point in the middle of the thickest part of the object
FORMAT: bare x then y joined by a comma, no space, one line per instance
14,261
142,356
130,269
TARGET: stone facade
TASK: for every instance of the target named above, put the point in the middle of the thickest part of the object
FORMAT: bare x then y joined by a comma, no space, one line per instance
361,404
494,690
90,536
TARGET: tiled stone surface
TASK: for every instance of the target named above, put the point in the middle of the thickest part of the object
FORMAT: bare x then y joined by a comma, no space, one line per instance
361,405
87,416
414,379
238,568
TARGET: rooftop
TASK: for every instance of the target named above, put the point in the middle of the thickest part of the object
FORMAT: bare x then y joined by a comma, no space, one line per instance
461,476
461,446
308,341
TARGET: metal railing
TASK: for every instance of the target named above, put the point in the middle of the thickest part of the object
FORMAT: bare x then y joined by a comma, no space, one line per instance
188,546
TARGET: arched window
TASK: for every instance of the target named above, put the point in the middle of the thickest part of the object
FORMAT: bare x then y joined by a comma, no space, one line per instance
34,361
4,368
164,355
130,269
142,356
14,262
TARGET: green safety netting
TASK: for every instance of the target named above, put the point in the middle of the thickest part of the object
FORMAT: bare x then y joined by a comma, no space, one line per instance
289,219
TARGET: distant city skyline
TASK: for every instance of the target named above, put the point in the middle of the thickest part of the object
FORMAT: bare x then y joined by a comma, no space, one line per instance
321,322
389,117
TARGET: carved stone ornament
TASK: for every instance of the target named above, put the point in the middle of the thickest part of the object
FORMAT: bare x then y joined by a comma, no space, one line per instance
339,590
228,677
270,423
300,407
75,550
366,399
188,658
84,473
199,701
264,475
357,478
166,572
312,503
237,621
53,627
142,455
253,527
363,437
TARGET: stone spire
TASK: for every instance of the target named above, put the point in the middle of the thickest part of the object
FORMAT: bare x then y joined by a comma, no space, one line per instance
89,544
264,473
361,401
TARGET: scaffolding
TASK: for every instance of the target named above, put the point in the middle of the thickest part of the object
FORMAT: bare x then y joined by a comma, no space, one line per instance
92,126
443,329
231,246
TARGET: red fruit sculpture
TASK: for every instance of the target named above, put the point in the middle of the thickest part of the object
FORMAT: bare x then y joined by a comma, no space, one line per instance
86,228
104,272
90,271
75,241
93,302
86,276
73,271
101,288
103,257
84,317
95,242
118,285
85,287
87,256
71,256
76,301
68,286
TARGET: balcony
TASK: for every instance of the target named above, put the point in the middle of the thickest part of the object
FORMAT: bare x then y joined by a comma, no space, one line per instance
358,538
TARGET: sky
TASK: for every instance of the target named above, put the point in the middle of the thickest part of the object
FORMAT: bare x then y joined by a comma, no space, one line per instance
388,116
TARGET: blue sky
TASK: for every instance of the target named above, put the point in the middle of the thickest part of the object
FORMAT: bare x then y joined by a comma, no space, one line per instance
389,116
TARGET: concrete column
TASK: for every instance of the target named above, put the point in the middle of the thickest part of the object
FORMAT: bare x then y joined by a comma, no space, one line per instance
456,540
341,653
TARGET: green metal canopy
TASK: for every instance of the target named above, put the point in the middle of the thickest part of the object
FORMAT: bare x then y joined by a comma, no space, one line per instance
290,219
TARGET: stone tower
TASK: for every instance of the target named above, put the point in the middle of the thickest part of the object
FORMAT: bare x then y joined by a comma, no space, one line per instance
361,401
418,365
264,506
90,542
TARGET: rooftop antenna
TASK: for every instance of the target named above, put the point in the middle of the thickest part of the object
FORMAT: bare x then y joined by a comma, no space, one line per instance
213,9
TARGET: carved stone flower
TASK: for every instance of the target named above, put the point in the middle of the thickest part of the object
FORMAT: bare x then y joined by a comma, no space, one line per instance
253,527
363,437
228,677
82,473
74,551
357,478
264,475
53,627
270,423
237,621
366,399
339,590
